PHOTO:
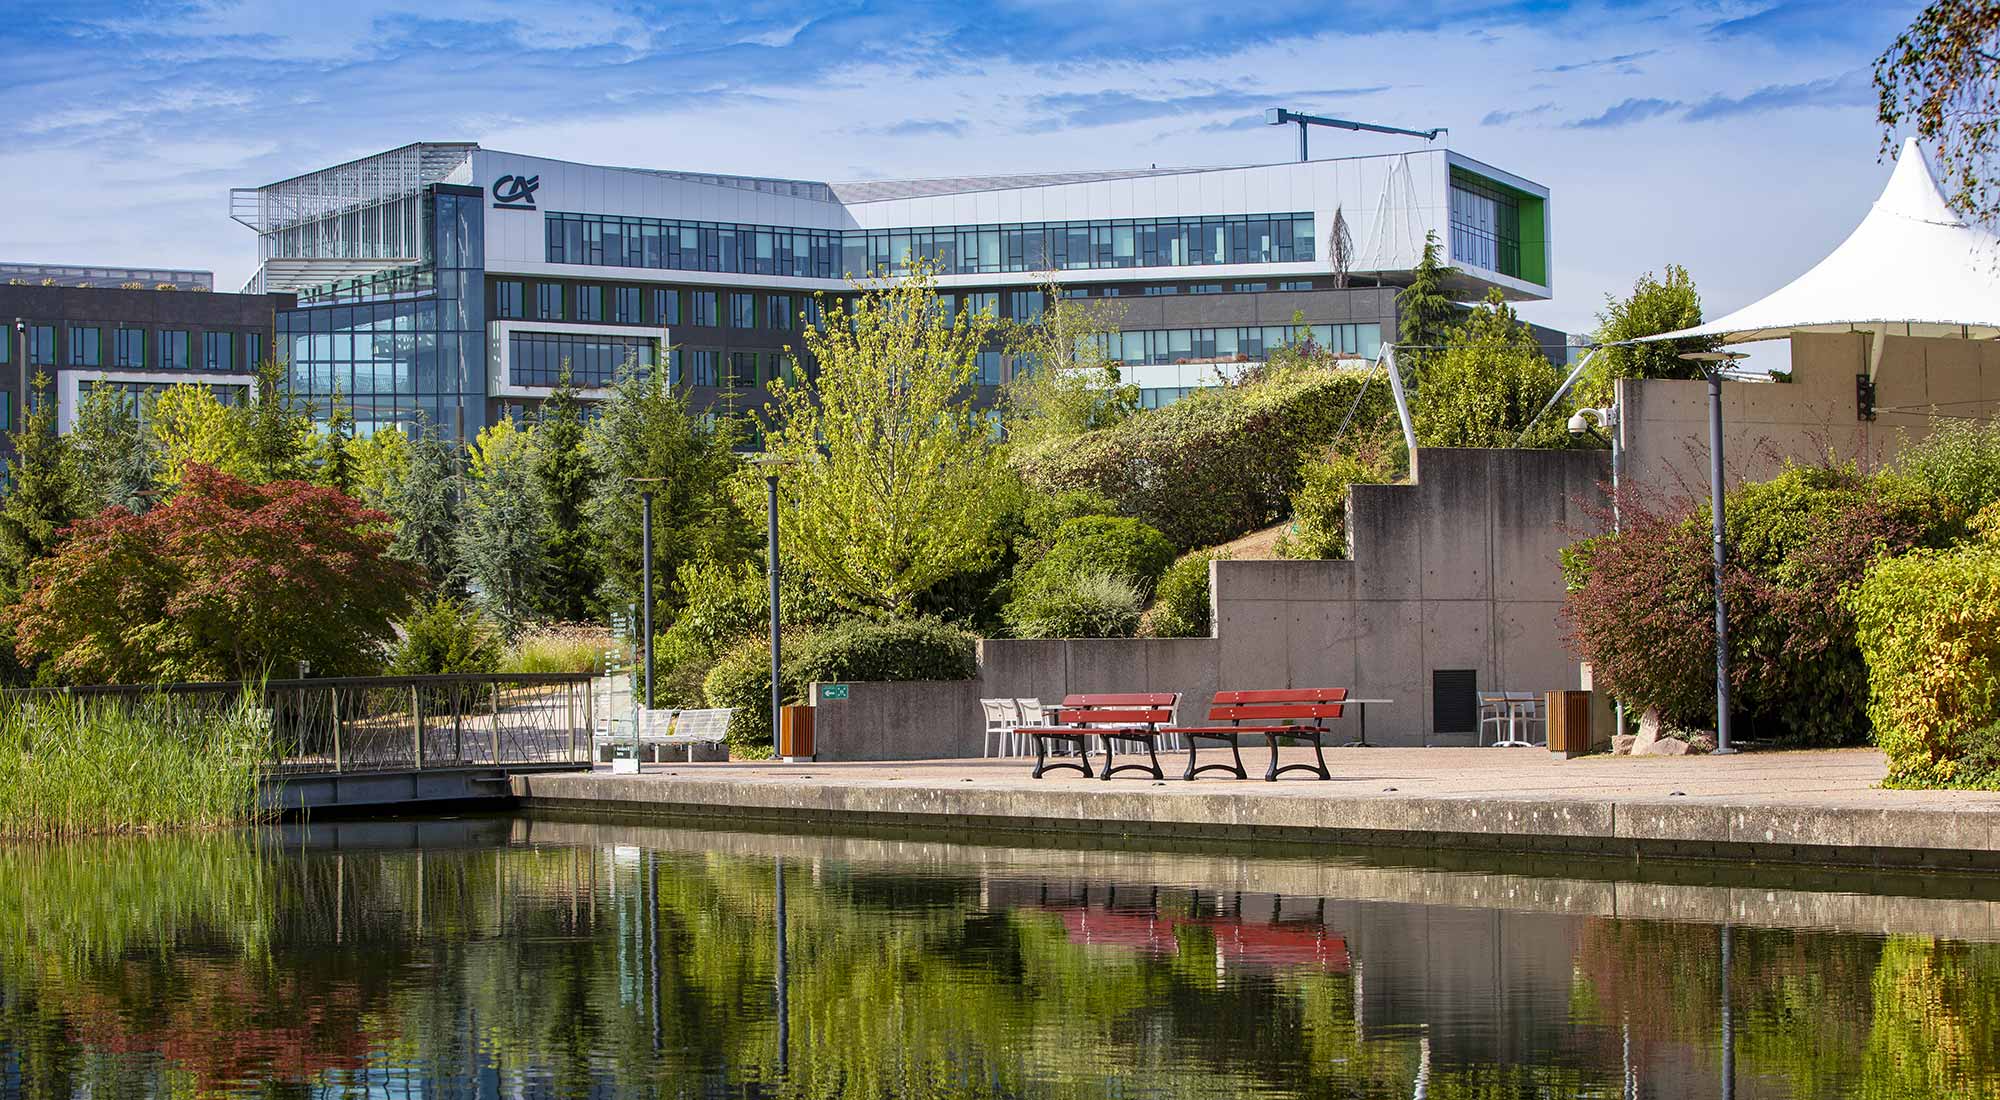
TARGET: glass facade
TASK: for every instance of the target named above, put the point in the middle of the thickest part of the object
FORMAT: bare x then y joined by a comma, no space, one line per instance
783,313
701,308
507,299
589,303
408,345
666,306
173,349
549,302
1228,344
742,311
537,358
128,348
1485,225
41,345
139,396
217,351
609,240
84,349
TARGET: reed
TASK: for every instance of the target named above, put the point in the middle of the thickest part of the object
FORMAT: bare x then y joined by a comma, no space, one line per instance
77,767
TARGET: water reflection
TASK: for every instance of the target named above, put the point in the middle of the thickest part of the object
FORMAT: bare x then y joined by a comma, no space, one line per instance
539,958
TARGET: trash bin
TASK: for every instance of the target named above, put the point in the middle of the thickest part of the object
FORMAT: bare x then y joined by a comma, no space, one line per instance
1571,731
795,733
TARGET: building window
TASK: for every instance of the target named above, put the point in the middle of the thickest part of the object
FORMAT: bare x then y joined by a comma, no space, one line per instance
702,304
1024,305
781,312
173,349
989,368
1485,225
1210,345
1205,288
1296,284
548,302
253,351
742,311
666,307
128,348
1156,291
701,368
83,347
742,368
507,300
6,410
538,358
1249,288
41,345
217,351
625,305
983,301
590,303
615,241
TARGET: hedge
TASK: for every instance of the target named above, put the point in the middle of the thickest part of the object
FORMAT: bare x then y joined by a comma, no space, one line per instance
1079,605
1181,607
1929,626
1219,462
858,650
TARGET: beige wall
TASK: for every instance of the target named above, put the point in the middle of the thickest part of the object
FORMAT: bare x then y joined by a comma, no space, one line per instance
1813,416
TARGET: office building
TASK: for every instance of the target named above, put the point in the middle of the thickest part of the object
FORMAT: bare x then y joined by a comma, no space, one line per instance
141,341
452,282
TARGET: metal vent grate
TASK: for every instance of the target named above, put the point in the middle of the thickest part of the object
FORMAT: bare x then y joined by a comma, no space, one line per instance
1455,700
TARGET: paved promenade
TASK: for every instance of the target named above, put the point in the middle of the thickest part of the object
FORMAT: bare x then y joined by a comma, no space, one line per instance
1820,807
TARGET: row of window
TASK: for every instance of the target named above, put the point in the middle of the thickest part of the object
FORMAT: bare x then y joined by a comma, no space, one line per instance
666,306
139,349
538,358
611,241
1171,345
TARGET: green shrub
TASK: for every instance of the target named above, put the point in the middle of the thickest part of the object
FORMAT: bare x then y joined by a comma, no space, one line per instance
1929,626
1085,605
558,647
1220,462
1959,461
1107,544
857,650
1180,603
446,636
861,650
1319,506
1045,514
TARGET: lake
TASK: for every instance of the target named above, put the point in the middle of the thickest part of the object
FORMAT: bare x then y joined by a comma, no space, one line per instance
552,957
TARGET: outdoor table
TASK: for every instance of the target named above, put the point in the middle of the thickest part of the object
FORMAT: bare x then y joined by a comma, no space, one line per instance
1361,715
1516,718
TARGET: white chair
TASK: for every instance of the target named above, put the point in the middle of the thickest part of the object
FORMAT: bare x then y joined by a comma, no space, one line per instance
1033,713
1002,717
1512,714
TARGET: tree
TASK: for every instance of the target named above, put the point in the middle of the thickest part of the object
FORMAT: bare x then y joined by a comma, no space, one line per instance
646,430
499,537
1941,77
275,432
333,461
1654,306
380,461
565,476
1426,312
1489,379
191,427
42,494
1065,379
885,495
114,465
425,507
227,579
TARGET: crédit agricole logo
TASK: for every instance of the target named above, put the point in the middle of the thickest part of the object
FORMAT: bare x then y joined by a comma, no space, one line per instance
515,192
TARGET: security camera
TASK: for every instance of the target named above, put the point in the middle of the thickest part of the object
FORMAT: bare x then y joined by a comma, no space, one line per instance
1578,424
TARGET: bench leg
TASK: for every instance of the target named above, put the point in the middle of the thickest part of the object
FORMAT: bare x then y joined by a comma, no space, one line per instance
1152,750
1106,742
1319,752
1188,775
1042,764
1236,750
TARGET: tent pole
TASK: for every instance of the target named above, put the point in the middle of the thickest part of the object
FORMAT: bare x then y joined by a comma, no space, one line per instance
1721,608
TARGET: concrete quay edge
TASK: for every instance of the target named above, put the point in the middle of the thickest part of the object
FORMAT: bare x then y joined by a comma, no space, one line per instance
1954,838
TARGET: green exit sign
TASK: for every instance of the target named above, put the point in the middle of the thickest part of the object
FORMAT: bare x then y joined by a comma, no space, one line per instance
830,692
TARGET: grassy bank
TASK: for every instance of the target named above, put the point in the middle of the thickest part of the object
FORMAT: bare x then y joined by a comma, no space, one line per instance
73,767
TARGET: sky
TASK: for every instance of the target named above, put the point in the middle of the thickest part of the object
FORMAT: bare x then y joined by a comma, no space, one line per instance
1736,139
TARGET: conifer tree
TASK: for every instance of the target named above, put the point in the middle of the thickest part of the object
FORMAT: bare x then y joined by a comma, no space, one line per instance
1425,310
499,535
42,496
333,460
114,463
425,506
565,475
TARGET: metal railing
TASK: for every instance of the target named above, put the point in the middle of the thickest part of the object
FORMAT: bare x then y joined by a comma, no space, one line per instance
394,723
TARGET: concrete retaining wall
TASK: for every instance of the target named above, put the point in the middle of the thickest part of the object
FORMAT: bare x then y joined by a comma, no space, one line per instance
916,720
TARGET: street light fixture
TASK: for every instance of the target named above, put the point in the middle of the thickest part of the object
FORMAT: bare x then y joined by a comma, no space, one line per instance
768,464
646,589
1713,364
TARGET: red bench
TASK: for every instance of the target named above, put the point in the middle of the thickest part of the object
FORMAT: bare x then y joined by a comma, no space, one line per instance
1135,717
1295,714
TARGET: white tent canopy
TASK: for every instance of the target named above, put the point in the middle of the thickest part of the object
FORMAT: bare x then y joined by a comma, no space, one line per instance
1913,267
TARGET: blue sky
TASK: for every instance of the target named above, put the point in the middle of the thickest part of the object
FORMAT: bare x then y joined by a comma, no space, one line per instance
1735,138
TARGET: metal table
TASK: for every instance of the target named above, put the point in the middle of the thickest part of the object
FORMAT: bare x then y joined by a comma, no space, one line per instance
1361,716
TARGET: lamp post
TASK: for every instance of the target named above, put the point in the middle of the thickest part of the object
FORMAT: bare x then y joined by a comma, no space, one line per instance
1714,363
645,583
768,464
